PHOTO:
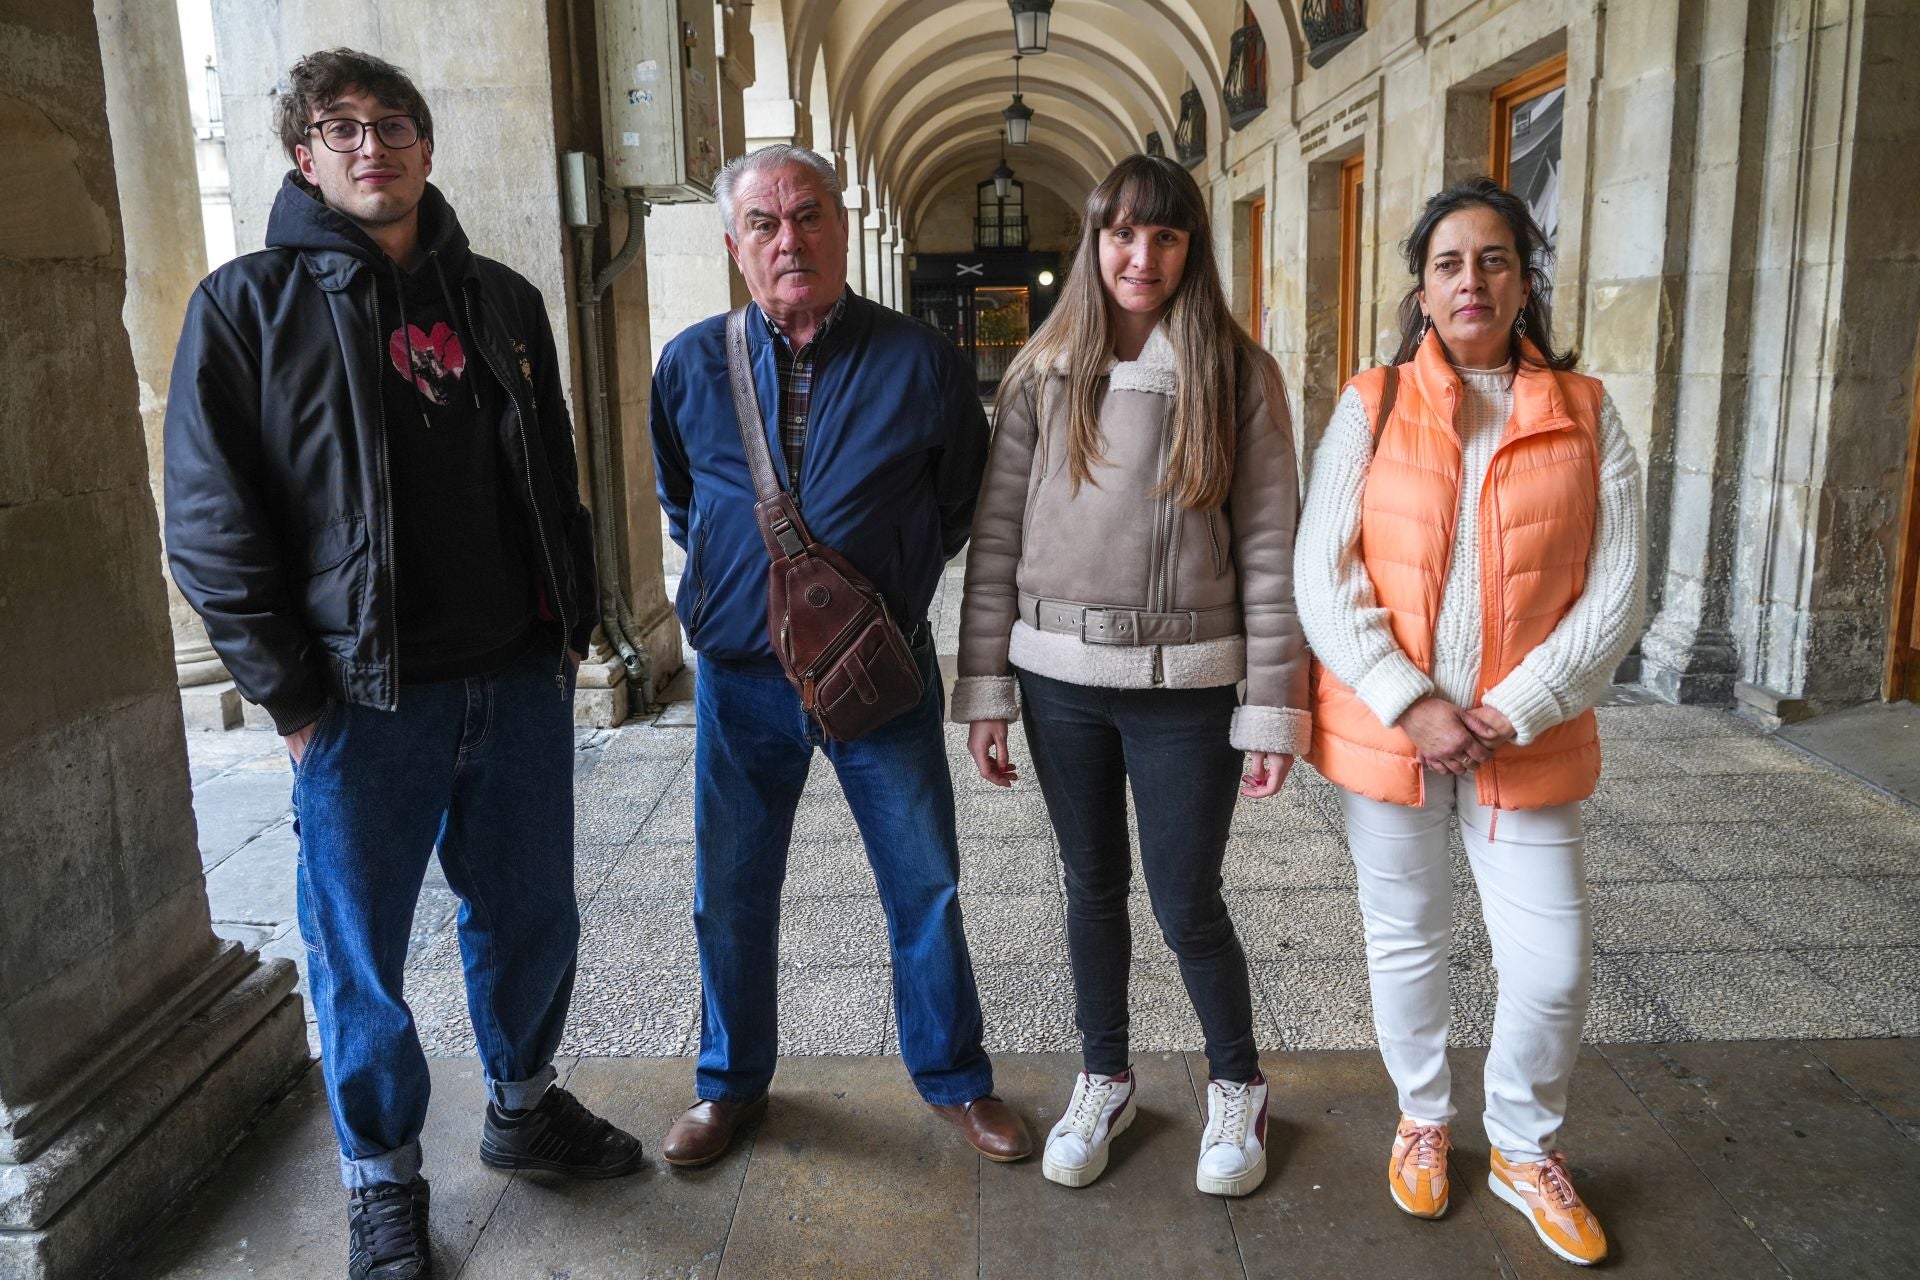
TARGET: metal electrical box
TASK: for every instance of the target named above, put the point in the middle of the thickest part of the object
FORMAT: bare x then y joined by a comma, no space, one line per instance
662,82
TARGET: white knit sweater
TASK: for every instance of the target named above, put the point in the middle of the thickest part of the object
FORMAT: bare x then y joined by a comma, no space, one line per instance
1569,670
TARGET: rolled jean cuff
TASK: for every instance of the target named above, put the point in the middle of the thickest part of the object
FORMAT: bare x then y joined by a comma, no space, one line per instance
951,1094
522,1095
402,1165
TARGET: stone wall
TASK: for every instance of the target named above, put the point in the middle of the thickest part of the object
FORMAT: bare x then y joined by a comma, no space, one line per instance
1733,263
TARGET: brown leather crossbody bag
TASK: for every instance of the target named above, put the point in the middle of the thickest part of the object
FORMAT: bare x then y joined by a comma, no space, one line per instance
829,625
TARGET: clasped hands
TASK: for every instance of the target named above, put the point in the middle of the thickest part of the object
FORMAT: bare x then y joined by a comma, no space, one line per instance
1451,739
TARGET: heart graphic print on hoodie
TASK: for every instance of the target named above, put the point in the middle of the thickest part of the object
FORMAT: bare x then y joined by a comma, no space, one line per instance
439,361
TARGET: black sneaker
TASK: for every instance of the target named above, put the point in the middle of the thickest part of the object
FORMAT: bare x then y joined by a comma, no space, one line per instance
558,1136
387,1223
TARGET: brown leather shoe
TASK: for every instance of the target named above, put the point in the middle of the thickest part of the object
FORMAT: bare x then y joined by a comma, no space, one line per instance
705,1130
990,1127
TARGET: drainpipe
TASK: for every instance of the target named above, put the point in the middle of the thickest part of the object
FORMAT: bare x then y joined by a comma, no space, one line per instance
583,213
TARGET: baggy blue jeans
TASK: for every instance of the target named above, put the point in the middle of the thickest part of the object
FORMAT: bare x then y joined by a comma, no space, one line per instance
482,767
753,747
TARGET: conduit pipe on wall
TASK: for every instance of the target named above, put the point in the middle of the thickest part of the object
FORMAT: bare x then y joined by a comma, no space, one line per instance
616,617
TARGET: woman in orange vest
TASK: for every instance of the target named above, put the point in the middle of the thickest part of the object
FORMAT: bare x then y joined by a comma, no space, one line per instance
1469,572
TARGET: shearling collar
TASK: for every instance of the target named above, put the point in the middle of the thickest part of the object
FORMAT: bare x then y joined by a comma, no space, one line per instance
1154,371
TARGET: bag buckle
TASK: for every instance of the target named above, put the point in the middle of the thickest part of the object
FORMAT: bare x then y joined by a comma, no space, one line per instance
790,544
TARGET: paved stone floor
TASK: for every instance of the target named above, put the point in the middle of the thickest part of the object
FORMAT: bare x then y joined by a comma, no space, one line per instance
1761,1158
1744,891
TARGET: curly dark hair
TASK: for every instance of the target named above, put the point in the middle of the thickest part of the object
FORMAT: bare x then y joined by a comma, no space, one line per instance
320,78
1528,242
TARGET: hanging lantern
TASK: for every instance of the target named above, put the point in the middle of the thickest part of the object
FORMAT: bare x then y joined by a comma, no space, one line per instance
1002,176
1030,21
1019,116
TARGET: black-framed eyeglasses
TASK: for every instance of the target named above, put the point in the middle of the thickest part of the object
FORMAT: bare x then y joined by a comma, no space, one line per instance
343,133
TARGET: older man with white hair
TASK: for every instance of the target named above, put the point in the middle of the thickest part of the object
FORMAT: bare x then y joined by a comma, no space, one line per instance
876,432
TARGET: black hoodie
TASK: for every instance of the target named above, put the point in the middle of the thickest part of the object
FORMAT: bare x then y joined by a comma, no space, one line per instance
339,528
466,601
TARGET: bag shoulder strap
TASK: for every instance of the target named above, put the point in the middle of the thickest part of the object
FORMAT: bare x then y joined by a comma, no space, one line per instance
746,408
780,525
1389,391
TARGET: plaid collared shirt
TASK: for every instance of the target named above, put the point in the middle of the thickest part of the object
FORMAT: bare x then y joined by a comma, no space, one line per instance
796,388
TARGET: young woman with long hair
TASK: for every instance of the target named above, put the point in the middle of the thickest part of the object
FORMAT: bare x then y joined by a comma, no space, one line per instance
1470,573
1131,564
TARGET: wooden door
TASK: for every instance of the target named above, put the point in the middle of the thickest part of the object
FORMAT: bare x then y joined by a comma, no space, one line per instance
1352,193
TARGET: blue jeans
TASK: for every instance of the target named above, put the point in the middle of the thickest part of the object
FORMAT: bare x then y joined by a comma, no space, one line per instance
1170,745
484,768
751,756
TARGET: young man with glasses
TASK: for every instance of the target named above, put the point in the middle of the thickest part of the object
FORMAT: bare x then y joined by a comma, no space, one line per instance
372,501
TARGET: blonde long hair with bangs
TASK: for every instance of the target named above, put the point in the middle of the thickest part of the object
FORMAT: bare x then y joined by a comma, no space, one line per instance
1208,342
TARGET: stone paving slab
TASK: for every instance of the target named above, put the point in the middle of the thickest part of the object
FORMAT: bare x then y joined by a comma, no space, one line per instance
1702,1159
1741,889
1792,1146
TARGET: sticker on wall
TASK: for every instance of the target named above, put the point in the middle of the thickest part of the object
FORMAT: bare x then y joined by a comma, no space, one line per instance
629,139
639,97
646,72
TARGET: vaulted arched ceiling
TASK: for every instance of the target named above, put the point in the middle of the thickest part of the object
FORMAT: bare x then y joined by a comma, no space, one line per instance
913,89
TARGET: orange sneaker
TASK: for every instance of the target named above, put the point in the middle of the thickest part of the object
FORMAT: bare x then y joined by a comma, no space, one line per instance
1543,1191
1417,1173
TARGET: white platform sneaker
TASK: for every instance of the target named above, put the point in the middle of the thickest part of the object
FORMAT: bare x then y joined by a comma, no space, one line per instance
1100,1110
1233,1150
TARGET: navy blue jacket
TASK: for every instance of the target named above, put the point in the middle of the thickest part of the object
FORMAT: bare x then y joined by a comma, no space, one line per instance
896,444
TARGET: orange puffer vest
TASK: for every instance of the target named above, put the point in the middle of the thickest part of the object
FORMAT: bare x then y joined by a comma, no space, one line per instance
1535,527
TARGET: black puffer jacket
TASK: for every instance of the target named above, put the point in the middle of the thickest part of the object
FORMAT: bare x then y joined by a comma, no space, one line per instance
279,509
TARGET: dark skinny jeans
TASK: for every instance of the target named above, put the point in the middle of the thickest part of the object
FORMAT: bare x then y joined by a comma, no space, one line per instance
1088,744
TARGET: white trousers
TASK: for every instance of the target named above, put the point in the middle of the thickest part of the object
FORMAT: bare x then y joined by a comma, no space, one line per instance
1533,891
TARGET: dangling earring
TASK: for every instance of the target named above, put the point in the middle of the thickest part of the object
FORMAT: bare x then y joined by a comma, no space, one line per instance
1520,326
1426,323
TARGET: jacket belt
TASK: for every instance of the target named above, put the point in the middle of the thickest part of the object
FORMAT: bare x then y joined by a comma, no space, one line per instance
1101,624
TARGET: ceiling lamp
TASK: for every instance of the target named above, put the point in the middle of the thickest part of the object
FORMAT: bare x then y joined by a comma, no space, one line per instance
1003,176
1019,116
1030,21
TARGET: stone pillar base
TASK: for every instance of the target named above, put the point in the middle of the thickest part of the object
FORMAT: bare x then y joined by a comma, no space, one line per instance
1685,662
1770,709
89,1194
211,706
1703,688
660,632
601,698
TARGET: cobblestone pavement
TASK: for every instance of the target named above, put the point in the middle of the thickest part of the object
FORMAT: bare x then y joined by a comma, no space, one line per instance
1742,890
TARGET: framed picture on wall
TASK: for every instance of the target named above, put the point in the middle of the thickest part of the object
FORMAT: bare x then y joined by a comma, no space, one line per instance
1527,113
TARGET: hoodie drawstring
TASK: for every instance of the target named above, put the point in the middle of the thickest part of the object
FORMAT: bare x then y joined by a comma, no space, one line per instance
406,336
446,296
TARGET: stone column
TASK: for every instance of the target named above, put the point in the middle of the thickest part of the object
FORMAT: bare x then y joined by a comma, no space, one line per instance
897,267
1831,355
889,267
166,257
642,538
875,283
134,1044
856,238
1692,462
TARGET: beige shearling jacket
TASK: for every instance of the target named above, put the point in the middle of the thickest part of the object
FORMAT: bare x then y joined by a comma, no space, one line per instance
1138,561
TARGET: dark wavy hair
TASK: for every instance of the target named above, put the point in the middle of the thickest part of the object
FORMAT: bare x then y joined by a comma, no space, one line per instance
1529,242
320,78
